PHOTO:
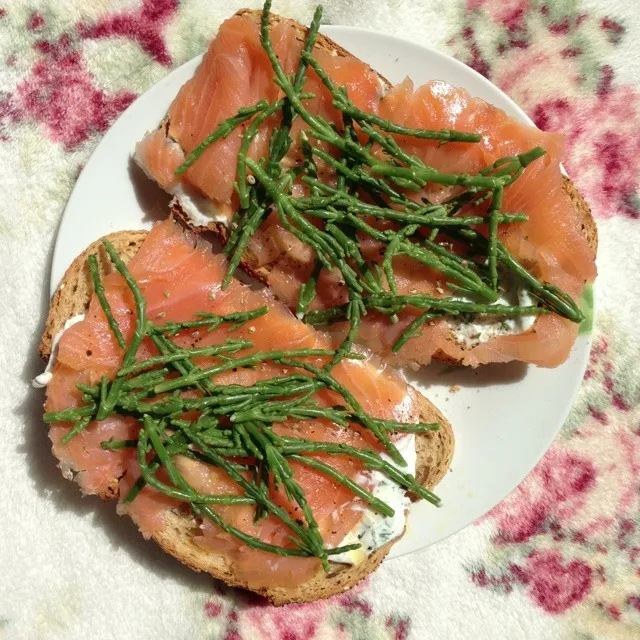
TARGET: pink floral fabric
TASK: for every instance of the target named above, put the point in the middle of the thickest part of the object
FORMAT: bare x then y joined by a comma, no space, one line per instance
527,47
560,557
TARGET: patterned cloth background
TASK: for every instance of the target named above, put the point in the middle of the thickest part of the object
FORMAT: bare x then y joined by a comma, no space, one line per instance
560,558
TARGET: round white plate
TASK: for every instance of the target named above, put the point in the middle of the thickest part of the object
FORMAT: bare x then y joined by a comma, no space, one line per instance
504,417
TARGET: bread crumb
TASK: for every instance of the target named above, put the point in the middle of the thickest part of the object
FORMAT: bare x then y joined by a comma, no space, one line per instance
252,329
454,388
166,293
67,470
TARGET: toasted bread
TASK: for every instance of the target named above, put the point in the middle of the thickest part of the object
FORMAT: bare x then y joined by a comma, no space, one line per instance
261,272
434,452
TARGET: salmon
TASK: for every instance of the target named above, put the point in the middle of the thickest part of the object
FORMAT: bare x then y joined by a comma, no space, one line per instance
164,156
236,72
179,277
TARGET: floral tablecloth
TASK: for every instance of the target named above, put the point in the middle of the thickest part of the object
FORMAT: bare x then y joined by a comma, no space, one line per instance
559,558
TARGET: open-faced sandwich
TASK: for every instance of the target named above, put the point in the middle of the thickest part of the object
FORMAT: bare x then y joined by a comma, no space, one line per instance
420,222
231,432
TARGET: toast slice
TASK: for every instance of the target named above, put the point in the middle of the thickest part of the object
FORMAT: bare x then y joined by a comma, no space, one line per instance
251,266
434,452
255,268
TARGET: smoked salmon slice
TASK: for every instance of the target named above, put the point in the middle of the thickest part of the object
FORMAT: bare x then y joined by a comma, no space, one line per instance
235,73
180,277
551,243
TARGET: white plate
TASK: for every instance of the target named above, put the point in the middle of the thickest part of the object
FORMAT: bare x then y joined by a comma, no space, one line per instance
504,417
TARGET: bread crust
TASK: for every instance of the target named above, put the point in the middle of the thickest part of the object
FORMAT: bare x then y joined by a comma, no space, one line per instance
249,262
74,291
434,452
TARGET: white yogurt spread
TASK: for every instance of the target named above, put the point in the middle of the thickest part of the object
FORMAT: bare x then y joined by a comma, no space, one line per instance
382,85
45,377
199,209
375,529
484,328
